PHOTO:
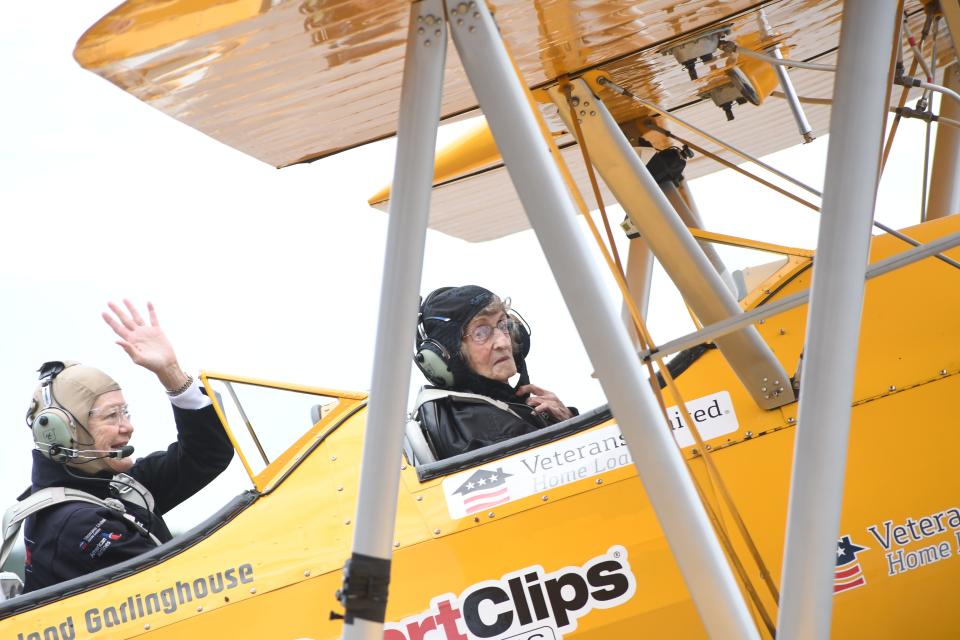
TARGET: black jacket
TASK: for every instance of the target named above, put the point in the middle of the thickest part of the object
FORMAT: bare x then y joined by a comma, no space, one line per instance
455,425
76,538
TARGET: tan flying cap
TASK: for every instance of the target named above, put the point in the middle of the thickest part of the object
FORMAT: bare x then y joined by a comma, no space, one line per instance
75,389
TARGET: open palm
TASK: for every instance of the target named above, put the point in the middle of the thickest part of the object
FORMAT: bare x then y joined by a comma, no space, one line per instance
146,345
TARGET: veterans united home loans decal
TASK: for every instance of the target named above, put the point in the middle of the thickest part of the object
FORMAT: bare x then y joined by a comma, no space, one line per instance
580,456
527,604
907,545
911,544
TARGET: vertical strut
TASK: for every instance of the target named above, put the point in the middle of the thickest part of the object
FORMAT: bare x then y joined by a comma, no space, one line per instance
368,570
691,217
791,94
639,278
702,287
944,183
526,151
833,323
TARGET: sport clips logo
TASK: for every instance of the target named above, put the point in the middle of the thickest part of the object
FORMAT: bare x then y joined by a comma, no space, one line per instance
522,601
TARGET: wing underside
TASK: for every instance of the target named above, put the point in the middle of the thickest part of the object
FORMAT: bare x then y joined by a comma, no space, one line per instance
290,82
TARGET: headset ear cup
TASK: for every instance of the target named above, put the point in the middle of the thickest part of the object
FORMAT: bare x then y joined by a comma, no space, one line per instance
434,361
51,432
521,335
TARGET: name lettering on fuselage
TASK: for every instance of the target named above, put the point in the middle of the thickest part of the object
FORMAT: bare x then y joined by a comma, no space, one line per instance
527,604
580,456
149,607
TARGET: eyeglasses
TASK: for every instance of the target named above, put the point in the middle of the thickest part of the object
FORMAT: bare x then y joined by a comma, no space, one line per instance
111,415
482,333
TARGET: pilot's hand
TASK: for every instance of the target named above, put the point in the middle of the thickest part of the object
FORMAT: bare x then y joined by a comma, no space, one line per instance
544,401
146,345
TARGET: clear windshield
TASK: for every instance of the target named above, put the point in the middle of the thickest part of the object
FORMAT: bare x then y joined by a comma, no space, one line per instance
266,420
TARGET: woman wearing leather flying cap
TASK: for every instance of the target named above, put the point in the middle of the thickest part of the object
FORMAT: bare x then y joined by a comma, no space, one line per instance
82,430
471,343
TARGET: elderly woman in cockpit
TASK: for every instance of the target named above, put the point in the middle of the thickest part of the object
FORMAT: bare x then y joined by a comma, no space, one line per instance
469,346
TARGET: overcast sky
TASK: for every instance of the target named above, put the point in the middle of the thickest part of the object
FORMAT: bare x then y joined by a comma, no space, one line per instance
255,271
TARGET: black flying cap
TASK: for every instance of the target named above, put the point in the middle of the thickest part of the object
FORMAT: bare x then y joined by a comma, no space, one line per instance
447,311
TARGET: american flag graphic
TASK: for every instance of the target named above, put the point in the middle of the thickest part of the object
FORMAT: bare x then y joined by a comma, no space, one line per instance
484,489
848,574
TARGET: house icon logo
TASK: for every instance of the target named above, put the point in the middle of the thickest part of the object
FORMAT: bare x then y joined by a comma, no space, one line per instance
484,489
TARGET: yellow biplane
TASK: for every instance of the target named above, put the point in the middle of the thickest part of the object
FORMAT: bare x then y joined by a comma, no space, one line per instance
786,474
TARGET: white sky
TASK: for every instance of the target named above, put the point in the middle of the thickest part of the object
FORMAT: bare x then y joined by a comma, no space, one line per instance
254,271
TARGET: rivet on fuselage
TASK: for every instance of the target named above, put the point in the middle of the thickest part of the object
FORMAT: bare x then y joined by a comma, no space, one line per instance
306,574
419,498
491,514
436,532
892,388
943,372
544,498
599,480
253,589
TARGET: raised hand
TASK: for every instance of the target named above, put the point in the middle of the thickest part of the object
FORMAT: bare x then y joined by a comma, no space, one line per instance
544,401
146,345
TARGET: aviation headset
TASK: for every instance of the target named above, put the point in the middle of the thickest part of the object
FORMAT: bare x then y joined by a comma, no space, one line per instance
52,433
437,352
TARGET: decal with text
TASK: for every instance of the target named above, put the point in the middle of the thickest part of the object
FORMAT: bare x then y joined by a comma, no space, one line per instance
526,604
909,545
150,607
574,458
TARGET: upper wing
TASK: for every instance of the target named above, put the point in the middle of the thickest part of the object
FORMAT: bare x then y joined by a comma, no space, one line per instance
288,82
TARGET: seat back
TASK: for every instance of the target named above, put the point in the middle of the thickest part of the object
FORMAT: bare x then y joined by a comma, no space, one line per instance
415,445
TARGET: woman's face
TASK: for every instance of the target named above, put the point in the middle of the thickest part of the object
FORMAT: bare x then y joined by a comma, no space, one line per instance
492,358
109,424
